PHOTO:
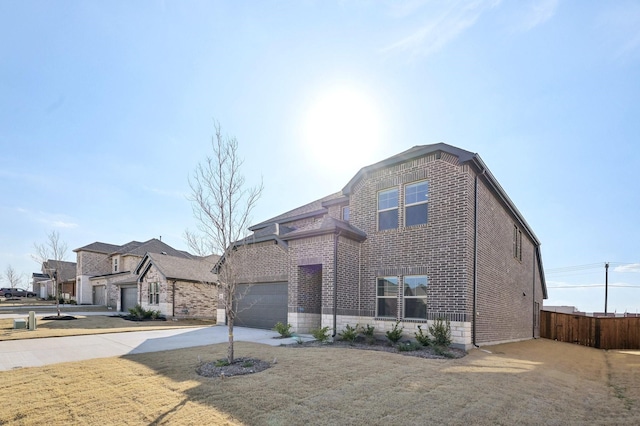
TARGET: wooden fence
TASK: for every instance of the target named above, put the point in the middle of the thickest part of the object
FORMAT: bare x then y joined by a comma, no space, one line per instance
597,332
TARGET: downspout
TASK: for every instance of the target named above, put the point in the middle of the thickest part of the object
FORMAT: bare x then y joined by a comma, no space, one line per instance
335,284
475,261
173,299
533,326
359,279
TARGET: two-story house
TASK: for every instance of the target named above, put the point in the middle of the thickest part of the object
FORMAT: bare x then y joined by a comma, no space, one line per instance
106,272
428,233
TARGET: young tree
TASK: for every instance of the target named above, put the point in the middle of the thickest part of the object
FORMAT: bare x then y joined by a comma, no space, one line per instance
13,277
222,205
49,255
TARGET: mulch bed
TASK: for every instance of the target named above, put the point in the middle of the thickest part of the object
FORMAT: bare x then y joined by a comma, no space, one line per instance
59,317
383,346
240,366
138,319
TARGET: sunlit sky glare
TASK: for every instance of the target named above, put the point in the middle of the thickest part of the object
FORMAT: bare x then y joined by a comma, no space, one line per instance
107,107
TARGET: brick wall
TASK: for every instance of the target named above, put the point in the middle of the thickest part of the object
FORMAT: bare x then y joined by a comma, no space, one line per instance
437,249
192,300
262,262
90,263
505,284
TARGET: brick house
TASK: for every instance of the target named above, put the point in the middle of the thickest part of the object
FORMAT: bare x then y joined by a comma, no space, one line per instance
105,272
428,233
178,287
65,274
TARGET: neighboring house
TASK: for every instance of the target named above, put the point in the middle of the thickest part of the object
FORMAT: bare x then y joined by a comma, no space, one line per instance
105,272
64,272
178,287
42,284
426,234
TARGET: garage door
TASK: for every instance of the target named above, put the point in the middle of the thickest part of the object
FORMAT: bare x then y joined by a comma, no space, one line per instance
261,305
129,298
99,295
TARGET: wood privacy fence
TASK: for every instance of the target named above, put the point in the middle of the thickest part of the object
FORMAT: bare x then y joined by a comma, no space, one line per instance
597,332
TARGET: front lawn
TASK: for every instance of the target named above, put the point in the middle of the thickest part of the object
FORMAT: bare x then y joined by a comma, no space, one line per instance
532,382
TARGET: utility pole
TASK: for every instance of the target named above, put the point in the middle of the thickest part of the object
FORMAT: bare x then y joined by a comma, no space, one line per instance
606,286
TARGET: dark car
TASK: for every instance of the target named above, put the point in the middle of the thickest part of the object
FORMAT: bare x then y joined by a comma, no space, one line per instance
16,292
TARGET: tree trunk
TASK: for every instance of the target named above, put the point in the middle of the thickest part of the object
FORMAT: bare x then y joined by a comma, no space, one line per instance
230,347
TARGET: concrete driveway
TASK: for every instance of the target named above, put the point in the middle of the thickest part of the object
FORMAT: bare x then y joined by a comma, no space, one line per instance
52,350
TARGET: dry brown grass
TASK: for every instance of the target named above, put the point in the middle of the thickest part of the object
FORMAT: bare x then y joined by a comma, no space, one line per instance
534,382
93,324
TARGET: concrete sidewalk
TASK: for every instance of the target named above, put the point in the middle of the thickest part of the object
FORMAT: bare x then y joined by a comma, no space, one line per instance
52,350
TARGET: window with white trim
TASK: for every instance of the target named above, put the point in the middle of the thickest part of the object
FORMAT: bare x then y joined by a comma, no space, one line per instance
388,209
115,264
346,213
154,293
387,297
416,198
415,296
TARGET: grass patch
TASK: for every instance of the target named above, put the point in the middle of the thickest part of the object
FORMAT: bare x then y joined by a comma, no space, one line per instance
533,382
92,324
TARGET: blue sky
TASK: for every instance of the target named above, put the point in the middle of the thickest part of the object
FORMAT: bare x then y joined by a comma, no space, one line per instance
107,107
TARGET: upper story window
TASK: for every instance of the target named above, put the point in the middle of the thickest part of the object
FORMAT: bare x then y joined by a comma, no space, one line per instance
388,209
517,243
115,264
415,296
345,213
387,297
416,198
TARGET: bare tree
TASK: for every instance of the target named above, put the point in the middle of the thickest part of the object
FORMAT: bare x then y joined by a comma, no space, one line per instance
50,255
222,206
13,277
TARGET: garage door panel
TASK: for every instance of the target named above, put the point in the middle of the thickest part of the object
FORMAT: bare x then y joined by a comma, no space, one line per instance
261,305
129,298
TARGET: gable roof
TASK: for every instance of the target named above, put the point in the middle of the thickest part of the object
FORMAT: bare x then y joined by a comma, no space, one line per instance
414,152
135,248
99,247
179,268
328,225
312,209
66,271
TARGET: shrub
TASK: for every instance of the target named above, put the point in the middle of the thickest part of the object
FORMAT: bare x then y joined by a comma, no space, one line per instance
409,346
394,335
283,329
368,331
139,313
422,338
441,332
350,334
222,362
320,334
442,351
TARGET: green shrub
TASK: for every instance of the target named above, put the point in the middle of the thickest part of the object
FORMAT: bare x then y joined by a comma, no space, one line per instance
320,334
409,346
350,334
247,364
222,362
283,329
422,338
442,351
441,332
394,335
139,313
368,331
